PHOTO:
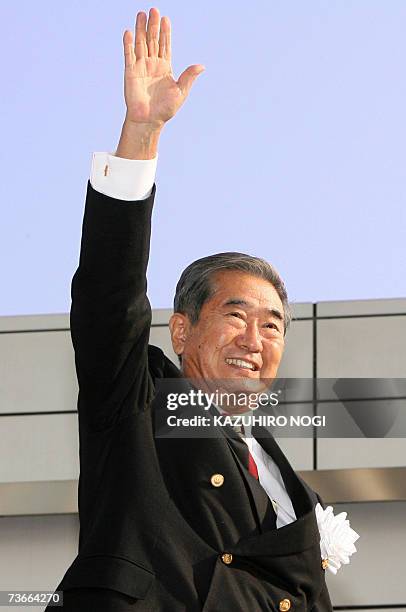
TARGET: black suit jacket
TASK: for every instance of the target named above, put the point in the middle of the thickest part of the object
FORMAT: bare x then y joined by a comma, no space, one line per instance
152,526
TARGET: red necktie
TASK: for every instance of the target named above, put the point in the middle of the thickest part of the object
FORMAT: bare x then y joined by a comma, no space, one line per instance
252,466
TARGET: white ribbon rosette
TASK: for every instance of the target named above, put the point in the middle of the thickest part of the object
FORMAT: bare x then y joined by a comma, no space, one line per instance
336,538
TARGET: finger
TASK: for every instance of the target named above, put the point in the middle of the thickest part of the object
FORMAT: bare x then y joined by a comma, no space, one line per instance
188,77
165,39
153,32
141,49
129,55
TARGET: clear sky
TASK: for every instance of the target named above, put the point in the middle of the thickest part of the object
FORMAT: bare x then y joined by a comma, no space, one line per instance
291,146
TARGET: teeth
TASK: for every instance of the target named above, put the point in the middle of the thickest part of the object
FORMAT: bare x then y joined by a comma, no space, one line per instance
240,363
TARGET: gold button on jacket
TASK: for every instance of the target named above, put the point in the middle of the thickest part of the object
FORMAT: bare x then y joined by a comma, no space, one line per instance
284,605
227,558
217,480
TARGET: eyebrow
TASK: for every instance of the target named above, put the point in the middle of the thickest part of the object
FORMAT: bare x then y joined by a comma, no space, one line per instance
240,302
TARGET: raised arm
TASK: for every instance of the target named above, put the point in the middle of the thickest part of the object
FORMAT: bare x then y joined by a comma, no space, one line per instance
110,314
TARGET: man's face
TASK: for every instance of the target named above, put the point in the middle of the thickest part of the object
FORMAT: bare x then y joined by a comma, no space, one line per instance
239,334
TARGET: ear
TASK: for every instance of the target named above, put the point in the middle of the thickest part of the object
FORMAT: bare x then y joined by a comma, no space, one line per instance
179,326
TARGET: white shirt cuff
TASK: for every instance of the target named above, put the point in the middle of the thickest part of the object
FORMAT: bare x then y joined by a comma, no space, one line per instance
123,179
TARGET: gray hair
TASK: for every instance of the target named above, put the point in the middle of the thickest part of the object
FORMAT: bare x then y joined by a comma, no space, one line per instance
196,286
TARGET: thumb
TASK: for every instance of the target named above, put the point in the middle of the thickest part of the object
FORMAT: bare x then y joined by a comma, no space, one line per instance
188,76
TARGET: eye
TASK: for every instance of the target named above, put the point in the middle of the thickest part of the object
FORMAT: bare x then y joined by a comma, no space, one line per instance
236,314
272,326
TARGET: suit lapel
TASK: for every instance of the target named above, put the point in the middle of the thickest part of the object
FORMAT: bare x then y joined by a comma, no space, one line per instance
298,493
301,500
262,507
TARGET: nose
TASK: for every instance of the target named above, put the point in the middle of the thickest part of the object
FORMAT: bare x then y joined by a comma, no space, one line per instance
250,338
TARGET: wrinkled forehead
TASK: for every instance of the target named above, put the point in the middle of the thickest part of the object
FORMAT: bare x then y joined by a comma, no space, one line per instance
242,289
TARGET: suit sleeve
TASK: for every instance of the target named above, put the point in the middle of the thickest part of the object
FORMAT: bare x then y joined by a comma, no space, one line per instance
110,313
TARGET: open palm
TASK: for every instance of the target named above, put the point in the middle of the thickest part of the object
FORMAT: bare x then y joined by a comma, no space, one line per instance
152,94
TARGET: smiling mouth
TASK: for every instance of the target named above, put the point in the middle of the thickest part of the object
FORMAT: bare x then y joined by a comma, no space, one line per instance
241,363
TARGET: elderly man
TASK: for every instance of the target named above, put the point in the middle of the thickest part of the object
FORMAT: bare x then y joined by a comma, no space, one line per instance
171,524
